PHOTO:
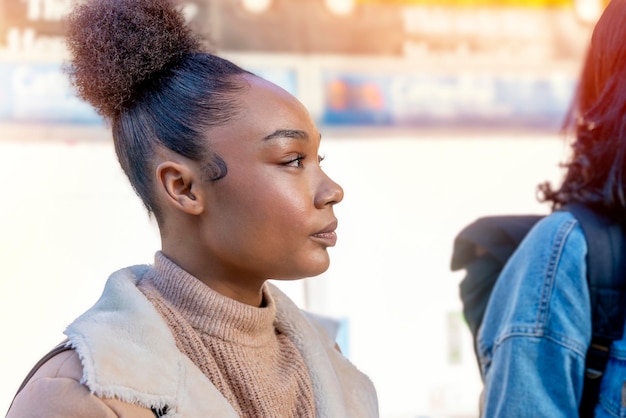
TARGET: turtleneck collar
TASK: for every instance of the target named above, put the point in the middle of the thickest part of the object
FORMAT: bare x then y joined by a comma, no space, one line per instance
210,312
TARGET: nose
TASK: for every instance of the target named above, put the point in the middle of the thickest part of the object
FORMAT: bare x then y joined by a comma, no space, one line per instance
329,193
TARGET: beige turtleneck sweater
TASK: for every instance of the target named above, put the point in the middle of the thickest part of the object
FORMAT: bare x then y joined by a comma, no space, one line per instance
256,368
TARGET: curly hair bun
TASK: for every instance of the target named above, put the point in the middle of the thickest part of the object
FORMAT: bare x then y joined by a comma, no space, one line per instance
118,46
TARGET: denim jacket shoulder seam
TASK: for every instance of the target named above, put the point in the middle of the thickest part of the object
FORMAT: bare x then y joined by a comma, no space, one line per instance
555,256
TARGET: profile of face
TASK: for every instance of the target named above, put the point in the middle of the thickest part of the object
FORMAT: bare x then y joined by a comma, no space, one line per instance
271,216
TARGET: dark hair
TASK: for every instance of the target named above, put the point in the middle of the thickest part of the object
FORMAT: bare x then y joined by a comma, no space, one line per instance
146,73
597,117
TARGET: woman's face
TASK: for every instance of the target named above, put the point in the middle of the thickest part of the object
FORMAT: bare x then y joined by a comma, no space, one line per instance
271,216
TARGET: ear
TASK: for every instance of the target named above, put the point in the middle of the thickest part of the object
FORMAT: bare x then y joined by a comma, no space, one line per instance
177,184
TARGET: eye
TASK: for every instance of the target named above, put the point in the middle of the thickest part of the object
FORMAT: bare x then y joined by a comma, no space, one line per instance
320,158
296,162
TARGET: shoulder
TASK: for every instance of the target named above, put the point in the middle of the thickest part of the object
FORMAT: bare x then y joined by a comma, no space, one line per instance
56,391
534,293
555,246
559,222
556,235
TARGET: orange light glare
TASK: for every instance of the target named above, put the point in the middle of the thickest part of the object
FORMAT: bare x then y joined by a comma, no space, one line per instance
256,6
340,7
588,11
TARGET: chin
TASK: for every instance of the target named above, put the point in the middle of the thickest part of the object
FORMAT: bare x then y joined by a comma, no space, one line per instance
307,271
301,267
319,266
318,271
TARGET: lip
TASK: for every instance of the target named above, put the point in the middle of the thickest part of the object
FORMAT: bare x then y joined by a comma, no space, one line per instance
327,236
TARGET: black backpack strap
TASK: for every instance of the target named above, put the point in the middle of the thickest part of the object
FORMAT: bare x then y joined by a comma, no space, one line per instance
606,275
61,347
158,413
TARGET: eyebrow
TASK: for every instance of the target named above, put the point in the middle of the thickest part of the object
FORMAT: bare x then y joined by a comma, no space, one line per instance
287,133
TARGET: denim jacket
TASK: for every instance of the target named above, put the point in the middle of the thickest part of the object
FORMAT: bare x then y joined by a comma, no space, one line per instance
537,328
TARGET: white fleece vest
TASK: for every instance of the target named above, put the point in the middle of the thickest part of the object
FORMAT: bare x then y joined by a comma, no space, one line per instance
128,352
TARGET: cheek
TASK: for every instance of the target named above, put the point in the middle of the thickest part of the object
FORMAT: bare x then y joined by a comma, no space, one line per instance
278,209
290,202
285,194
264,202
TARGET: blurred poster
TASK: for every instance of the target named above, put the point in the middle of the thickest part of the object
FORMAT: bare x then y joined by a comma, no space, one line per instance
305,26
42,16
374,27
492,63
308,27
447,101
41,93
356,99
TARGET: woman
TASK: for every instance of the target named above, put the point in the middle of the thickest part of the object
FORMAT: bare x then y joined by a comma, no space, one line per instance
537,331
228,165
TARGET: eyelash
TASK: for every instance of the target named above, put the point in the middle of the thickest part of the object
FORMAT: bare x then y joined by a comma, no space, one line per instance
301,157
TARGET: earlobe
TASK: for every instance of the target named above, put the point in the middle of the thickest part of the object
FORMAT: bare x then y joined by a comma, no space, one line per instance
177,185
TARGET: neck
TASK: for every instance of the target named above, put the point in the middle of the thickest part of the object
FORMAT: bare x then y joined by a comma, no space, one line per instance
234,285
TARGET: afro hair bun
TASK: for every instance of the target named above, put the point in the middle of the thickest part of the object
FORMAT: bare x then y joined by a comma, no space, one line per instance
119,45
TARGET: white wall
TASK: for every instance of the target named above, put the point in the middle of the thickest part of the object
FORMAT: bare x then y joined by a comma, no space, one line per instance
68,218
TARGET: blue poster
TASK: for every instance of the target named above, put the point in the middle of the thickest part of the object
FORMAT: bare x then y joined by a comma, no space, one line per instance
356,99
41,93
446,101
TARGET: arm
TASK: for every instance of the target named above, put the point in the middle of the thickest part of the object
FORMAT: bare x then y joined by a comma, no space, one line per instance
533,377
55,391
537,327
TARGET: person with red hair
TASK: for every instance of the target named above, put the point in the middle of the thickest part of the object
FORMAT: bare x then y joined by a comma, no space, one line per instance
537,330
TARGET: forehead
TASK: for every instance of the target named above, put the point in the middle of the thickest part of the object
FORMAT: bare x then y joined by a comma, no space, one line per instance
263,109
264,99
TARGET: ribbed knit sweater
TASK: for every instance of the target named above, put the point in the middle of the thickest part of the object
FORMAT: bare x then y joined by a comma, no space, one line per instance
237,346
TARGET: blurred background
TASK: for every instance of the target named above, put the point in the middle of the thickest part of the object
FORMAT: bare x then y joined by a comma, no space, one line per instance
433,113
